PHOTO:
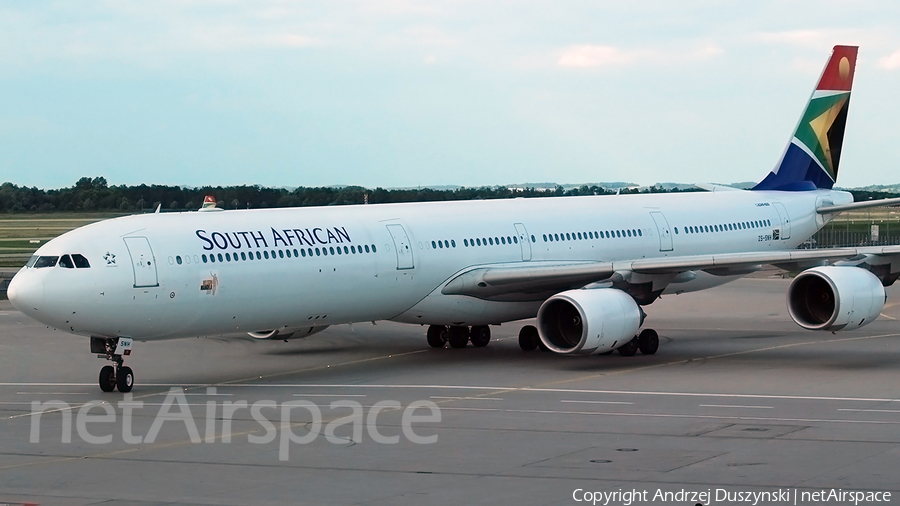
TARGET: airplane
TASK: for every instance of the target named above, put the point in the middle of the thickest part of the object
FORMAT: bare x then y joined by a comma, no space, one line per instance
585,267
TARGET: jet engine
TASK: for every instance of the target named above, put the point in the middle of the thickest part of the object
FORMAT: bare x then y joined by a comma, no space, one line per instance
835,298
582,322
287,332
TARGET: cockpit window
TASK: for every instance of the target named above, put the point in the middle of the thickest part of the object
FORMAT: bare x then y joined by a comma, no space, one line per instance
45,262
80,261
66,261
31,261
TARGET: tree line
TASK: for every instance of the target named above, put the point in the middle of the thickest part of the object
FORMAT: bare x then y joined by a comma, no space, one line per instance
94,194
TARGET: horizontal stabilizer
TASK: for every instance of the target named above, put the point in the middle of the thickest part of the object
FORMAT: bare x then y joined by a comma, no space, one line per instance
858,205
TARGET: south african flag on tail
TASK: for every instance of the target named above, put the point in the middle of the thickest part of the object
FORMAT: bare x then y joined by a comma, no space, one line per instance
811,159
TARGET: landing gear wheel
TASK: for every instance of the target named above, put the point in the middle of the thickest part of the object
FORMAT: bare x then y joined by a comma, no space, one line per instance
480,335
107,378
648,341
528,338
437,336
458,336
630,348
124,379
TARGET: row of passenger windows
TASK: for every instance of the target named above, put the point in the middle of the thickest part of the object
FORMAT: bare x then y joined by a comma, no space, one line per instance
67,261
490,241
741,225
286,253
579,236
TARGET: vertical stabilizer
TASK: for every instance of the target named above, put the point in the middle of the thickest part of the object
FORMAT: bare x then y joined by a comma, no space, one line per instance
811,159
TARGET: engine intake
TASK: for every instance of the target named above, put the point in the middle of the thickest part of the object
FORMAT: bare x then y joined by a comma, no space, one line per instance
835,298
582,322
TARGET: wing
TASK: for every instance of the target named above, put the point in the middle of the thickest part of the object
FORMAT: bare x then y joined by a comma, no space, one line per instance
538,280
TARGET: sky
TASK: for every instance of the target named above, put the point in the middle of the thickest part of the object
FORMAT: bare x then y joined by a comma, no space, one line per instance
397,93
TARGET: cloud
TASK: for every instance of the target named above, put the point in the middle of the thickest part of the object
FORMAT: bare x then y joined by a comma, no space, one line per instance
598,56
807,38
890,62
430,59
593,56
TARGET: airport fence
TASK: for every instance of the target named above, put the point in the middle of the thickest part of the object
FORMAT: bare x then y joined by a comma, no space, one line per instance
855,234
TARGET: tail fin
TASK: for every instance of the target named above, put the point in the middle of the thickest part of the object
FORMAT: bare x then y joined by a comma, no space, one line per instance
811,159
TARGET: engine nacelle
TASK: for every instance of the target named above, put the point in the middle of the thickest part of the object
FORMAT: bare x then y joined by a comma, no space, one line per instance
835,298
287,332
582,322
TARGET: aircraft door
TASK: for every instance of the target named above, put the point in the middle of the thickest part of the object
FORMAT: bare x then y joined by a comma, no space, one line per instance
401,246
524,242
662,226
142,262
785,220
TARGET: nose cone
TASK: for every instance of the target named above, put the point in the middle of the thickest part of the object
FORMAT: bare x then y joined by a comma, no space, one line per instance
26,293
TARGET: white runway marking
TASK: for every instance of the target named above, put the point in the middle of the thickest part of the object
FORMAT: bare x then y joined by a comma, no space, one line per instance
51,393
597,402
873,410
665,415
733,406
481,387
329,395
468,398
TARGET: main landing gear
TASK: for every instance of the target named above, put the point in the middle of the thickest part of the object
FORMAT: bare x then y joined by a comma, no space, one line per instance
458,336
114,349
647,341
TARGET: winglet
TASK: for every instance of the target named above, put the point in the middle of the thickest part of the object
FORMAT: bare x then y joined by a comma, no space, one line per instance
811,158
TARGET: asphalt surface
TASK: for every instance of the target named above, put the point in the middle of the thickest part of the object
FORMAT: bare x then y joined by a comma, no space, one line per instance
737,400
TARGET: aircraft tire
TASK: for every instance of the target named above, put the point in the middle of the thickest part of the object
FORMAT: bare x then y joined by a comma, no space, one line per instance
125,379
458,336
648,341
528,338
107,378
480,335
437,336
630,348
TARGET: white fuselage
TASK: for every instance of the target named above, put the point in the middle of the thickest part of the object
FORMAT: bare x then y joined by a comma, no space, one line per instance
320,266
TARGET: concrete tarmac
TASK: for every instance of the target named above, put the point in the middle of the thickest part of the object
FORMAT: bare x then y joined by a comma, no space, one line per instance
737,400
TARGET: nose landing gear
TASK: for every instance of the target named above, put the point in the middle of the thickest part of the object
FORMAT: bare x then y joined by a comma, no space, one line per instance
114,349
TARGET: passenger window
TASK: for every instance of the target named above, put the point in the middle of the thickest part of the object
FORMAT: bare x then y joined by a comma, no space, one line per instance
287,252
453,243
204,258
228,257
178,259
258,256
280,253
352,249
466,243
303,252
446,243
433,245
318,253
497,241
266,254
212,258
220,257
440,244
508,240
491,241
373,249
367,248
66,261
80,261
